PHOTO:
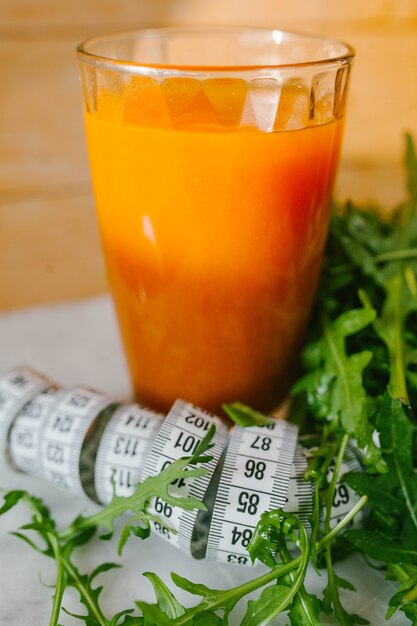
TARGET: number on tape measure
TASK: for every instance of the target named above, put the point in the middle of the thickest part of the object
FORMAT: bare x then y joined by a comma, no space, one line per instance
255,478
63,434
17,388
300,492
180,434
255,469
123,450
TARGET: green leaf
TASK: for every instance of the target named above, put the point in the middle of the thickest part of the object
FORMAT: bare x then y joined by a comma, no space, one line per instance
153,486
207,619
334,386
396,437
128,620
165,600
410,611
271,602
332,604
245,416
104,567
379,548
11,499
375,487
196,589
126,614
305,609
390,326
153,615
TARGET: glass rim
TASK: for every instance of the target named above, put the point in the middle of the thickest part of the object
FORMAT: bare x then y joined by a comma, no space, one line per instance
107,62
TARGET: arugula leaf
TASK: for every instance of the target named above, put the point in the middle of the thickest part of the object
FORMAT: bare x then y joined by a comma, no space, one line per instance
305,609
270,603
399,303
60,545
334,385
360,381
153,486
165,600
332,604
396,436
245,416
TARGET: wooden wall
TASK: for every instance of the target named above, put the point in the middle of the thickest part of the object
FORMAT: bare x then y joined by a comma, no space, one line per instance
49,247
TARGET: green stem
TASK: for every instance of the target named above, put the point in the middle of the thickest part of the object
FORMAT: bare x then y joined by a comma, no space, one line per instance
397,384
94,608
60,581
301,590
332,487
411,595
406,491
396,255
393,255
101,518
240,590
399,572
337,606
277,572
336,530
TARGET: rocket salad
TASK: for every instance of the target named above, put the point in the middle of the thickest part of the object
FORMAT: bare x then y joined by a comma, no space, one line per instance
359,383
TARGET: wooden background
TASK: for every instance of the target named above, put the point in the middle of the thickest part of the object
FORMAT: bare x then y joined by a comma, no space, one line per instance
49,247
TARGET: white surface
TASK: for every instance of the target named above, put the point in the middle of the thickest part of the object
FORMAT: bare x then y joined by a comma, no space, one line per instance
74,344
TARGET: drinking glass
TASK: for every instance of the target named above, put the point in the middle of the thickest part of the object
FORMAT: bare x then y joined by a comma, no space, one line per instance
213,154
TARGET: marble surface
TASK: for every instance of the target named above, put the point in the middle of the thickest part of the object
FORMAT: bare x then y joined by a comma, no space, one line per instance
78,343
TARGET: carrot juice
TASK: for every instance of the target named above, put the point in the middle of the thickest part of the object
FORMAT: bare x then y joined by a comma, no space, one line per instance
213,225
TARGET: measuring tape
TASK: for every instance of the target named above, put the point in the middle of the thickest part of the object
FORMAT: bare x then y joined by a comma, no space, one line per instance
17,388
87,443
181,432
25,432
123,450
255,478
63,434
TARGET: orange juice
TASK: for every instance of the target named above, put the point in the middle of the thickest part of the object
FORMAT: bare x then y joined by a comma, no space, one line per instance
213,236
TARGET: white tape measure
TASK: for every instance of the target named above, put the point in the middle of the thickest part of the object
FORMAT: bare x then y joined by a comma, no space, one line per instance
17,388
63,434
123,450
181,432
25,432
90,444
255,478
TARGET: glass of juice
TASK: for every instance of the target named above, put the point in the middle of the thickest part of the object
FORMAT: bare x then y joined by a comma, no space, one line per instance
213,154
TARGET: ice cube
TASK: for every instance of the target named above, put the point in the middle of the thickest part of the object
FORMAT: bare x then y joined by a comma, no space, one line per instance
294,105
262,103
227,96
322,97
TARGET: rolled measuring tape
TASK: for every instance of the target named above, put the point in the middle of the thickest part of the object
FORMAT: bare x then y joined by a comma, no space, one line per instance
181,432
24,436
90,444
64,435
123,449
254,478
17,388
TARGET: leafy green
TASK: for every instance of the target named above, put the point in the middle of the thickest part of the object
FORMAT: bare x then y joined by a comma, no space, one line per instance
153,486
358,386
61,545
269,545
370,262
245,416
